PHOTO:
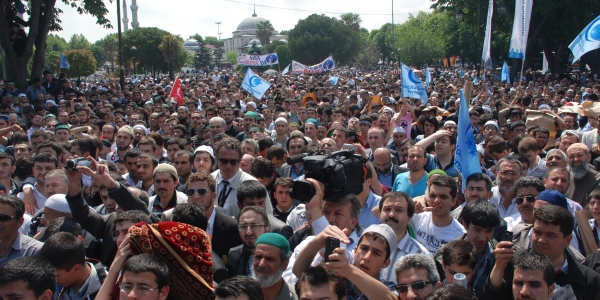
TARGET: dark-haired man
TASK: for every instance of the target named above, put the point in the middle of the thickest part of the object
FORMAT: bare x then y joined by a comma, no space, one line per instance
318,283
253,193
27,278
533,277
239,287
13,244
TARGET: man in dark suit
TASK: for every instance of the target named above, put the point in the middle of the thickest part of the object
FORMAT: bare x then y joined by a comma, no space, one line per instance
253,193
385,168
252,222
201,188
111,227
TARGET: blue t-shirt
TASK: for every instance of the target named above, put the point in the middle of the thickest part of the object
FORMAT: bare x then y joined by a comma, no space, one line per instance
402,184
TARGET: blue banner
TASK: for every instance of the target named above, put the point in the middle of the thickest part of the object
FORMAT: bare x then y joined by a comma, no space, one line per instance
333,80
427,76
254,84
412,86
466,160
505,76
286,70
587,40
64,63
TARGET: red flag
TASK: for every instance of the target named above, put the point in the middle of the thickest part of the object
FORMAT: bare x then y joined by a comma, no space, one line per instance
176,92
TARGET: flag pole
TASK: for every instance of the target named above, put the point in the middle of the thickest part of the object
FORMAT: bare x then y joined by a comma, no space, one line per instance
522,65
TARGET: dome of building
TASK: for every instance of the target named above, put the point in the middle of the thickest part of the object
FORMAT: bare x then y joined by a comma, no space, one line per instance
250,23
191,45
252,41
283,41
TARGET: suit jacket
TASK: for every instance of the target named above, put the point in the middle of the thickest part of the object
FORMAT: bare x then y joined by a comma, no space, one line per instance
590,138
237,263
231,204
284,170
279,227
104,226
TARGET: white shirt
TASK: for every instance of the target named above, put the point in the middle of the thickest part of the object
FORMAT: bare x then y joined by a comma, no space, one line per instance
297,217
512,221
211,223
39,197
406,245
432,236
498,201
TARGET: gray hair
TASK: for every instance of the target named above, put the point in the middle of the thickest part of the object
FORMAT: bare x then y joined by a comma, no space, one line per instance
60,173
418,261
572,133
510,160
562,154
254,143
529,181
217,119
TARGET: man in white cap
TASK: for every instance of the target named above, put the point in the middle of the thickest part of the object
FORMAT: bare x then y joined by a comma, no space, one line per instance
123,139
165,184
359,268
251,106
279,135
451,126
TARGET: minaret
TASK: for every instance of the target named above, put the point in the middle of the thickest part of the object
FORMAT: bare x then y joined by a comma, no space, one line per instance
254,14
134,17
125,19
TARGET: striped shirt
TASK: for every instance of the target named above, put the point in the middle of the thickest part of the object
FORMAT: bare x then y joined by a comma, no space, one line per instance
405,246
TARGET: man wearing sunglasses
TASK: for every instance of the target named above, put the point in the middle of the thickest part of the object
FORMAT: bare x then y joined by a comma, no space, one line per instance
13,244
201,188
417,276
527,189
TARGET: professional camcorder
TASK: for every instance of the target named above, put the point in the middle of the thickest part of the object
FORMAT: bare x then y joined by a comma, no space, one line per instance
342,173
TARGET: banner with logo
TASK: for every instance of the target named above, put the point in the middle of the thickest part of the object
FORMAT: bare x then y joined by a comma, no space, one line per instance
326,65
518,39
587,40
257,60
486,57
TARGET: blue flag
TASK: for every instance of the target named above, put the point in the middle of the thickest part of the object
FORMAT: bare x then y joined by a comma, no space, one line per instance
254,84
286,70
427,76
505,73
135,80
412,86
587,40
476,80
64,63
333,80
466,160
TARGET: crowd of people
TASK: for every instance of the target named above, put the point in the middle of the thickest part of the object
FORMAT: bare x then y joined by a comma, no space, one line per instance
121,192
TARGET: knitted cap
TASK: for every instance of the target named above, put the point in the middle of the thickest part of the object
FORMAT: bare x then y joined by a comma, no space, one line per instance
126,129
437,171
554,197
252,114
313,121
274,239
165,168
61,126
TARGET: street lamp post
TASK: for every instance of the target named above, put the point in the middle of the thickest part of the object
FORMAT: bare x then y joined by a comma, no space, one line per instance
121,67
133,51
218,56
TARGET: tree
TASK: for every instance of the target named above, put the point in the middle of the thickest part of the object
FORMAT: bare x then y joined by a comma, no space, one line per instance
211,40
264,31
44,17
256,49
82,62
202,58
283,55
318,36
270,48
110,44
169,47
417,42
78,41
351,20
52,59
56,43
231,57
99,55
197,37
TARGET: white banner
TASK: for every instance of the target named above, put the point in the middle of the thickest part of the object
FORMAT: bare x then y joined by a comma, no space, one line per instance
326,65
257,60
544,64
518,40
486,57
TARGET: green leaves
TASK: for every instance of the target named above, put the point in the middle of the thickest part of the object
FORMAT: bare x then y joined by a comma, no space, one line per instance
82,62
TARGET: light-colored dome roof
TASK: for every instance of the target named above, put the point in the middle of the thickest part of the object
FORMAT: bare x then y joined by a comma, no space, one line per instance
191,44
250,23
252,41
283,41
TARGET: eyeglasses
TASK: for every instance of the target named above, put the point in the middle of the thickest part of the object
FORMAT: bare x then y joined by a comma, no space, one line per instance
383,165
232,162
140,289
6,218
416,286
508,173
191,192
529,199
253,227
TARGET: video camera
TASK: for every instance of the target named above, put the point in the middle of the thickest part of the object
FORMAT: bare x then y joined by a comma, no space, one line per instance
342,173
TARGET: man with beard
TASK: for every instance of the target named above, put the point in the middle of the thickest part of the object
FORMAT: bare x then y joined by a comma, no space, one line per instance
271,258
584,179
396,209
413,182
386,170
227,115
559,179
124,138
280,136
526,191
182,115
84,117
252,223
295,145
509,171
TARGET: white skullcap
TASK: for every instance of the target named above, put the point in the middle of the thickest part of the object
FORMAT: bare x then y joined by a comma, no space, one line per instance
281,119
58,202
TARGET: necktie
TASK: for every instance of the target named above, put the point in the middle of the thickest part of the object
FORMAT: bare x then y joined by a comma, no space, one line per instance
224,193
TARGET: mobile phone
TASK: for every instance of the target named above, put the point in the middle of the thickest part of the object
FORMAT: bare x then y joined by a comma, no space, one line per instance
506,236
331,244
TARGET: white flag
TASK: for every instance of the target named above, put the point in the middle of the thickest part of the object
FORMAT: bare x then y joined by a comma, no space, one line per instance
518,40
486,57
545,64
587,40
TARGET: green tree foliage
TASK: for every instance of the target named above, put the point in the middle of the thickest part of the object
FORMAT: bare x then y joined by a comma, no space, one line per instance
56,43
197,37
270,48
99,55
78,41
369,54
110,44
202,58
211,40
52,60
318,36
283,55
264,31
256,49
169,47
351,20
231,57
44,17
418,43
82,62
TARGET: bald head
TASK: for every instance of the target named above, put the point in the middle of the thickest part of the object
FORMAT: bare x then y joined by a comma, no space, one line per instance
246,162
382,160
328,144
